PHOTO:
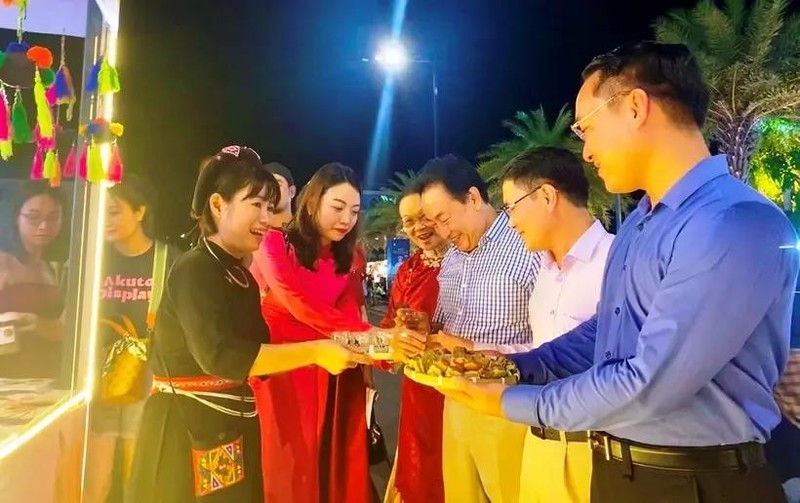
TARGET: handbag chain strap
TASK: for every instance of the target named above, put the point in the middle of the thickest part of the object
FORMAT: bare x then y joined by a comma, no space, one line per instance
158,281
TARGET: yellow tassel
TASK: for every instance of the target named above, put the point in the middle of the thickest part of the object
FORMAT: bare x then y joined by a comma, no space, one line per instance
6,149
43,114
49,165
96,173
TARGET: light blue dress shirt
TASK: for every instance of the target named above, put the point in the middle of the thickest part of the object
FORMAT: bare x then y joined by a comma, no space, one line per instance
692,329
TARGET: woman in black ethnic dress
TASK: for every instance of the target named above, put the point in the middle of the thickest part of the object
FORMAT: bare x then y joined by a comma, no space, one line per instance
199,438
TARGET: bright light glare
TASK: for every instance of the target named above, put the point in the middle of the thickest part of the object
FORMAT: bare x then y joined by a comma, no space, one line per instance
392,56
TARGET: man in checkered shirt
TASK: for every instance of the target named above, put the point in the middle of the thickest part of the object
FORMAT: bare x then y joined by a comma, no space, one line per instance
485,283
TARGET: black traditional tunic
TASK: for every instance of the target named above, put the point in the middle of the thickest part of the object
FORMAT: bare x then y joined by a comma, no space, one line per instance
207,325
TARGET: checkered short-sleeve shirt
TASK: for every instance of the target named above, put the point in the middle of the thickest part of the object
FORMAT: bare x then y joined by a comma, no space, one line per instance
484,294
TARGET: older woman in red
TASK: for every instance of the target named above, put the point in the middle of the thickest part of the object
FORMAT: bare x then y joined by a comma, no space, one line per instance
313,426
417,476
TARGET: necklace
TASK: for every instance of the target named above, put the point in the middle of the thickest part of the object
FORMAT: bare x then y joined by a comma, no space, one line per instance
228,274
432,260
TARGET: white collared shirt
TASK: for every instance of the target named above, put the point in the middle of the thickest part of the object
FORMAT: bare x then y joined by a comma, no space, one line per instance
564,297
567,296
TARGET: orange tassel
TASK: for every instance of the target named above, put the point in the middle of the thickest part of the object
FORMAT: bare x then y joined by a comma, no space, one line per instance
55,180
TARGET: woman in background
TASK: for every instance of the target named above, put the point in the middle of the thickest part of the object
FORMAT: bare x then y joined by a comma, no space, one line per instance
30,283
125,297
313,426
417,473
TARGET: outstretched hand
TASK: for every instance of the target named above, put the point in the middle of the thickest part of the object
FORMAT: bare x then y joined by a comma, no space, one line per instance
483,397
336,358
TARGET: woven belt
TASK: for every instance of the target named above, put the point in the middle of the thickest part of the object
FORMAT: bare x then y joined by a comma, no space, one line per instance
199,383
727,457
566,436
196,389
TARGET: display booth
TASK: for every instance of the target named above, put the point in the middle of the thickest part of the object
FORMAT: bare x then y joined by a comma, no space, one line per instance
44,394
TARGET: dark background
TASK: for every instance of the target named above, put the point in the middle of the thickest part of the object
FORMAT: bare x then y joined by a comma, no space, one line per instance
286,78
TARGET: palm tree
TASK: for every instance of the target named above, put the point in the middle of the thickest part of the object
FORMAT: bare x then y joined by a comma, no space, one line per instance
531,130
382,219
751,60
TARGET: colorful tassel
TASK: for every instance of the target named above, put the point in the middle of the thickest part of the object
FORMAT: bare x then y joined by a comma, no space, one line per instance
93,81
44,116
18,47
2,58
65,89
6,149
83,164
19,121
116,129
49,168
37,167
52,99
115,167
107,78
41,56
5,129
70,165
96,172
55,179
48,77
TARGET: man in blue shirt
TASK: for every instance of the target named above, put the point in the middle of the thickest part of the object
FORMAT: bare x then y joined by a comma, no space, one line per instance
674,375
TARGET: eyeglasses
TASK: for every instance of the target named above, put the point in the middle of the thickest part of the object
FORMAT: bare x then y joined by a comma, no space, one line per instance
413,222
508,208
36,219
576,126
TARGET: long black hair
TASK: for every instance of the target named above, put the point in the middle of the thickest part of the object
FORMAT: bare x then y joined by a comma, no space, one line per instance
13,201
302,232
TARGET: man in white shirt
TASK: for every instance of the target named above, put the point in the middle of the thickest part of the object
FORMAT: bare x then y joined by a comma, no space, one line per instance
546,193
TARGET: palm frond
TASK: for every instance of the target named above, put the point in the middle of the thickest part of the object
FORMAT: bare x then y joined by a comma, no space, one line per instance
719,33
785,57
766,21
750,57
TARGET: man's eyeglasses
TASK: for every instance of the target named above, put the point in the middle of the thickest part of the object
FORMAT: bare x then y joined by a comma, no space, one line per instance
576,126
508,208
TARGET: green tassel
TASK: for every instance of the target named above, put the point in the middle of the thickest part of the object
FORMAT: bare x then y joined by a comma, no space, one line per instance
19,121
95,165
6,149
43,114
48,77
49,171
107,78
2,59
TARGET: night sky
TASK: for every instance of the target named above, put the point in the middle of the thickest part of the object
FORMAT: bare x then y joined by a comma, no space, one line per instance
286,78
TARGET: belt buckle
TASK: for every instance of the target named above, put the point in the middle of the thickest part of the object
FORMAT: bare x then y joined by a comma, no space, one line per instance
594,442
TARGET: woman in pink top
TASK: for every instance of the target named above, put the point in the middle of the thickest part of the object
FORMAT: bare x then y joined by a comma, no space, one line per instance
313,425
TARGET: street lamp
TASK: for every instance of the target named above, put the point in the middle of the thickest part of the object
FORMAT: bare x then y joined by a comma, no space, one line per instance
393,58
